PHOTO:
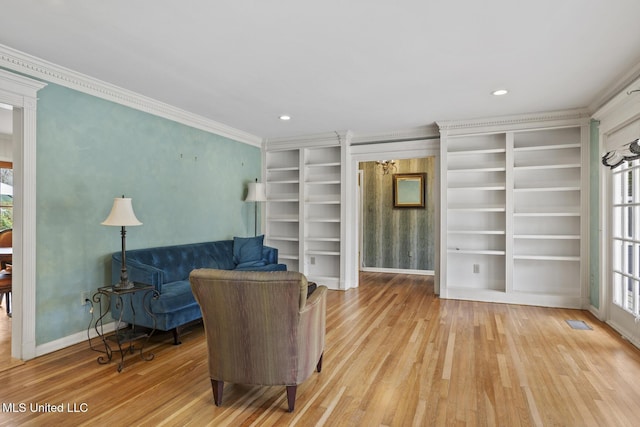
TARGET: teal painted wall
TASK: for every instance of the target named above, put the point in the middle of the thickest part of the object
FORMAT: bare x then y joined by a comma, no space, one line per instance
594,214
187,186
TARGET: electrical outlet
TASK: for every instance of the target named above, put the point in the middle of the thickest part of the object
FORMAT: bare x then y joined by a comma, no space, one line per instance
312,260
84,298
476,268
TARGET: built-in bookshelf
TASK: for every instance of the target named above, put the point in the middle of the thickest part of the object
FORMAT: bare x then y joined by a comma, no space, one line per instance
304,192
547,190
283,205
476,210
322,193
513,216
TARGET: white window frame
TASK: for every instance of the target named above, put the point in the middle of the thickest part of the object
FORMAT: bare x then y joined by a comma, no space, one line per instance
619,124
625,237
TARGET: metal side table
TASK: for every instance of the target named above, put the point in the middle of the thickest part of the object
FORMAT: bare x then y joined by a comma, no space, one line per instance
123,338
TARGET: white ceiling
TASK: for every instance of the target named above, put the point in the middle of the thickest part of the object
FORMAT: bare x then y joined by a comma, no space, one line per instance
362,65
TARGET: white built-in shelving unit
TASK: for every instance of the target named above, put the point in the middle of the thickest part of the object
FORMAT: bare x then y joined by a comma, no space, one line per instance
547,187
476,209
514,209
304,198
283,205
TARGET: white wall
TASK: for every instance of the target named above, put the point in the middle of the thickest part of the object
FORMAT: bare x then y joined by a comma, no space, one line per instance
6,130
6,121
6,148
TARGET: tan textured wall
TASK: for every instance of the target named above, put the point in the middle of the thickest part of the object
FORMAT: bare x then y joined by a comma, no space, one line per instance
397,238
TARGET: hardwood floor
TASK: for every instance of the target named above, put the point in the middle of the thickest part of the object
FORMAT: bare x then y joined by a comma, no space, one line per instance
395,355
6,361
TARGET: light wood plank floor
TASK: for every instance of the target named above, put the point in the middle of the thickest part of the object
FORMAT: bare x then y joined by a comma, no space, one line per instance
395,356
6,361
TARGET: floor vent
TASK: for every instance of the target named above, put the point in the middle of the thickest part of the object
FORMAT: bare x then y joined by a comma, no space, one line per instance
579,324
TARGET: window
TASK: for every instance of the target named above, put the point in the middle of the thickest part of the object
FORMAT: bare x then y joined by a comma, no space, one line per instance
6,195
626,237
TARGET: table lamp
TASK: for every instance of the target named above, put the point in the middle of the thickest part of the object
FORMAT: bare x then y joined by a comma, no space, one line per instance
121,216
256,193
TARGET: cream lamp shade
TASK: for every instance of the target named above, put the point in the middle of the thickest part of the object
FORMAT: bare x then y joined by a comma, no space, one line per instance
121,214
256,192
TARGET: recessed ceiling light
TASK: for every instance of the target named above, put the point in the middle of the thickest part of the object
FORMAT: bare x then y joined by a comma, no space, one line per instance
6,106
500,92
284,117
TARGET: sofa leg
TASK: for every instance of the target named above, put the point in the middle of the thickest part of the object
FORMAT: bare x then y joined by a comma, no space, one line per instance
319,365
291,396
176,336
217,387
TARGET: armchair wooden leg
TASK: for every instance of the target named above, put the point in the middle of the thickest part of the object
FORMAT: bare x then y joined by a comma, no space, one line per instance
176,335
319,365
217,387
291,396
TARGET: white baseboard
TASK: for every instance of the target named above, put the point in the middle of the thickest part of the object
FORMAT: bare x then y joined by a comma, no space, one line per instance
624,333
70,340
595,312
398,271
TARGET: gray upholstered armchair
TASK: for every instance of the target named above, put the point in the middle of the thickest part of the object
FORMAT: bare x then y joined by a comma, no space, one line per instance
261,329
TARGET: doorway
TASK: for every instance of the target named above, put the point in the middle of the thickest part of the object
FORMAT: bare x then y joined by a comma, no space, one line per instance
621,193
6,225
397,239
21,93
409,149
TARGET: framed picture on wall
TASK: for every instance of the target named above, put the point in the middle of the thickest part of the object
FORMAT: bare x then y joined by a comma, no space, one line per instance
409,190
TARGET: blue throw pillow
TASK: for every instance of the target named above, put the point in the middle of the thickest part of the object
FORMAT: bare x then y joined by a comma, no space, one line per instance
247,249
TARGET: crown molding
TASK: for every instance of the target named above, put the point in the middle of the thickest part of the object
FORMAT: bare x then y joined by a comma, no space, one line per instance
621,109
351,138
21,62
630,80
405,149
419,133
315,140
514,122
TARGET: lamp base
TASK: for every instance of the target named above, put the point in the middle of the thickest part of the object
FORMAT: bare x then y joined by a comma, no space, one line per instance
123,284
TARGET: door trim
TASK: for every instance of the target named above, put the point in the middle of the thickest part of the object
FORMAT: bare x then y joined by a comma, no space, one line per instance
21,93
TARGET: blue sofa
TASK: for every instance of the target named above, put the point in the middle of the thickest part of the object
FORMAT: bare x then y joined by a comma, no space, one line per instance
168,268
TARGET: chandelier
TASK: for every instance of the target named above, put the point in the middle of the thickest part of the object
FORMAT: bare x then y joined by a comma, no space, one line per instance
385,167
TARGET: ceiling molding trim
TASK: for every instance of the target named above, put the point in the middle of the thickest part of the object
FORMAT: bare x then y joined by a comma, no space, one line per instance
314,140
621,109
35,67
513,122
624,83
419,133
396,149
